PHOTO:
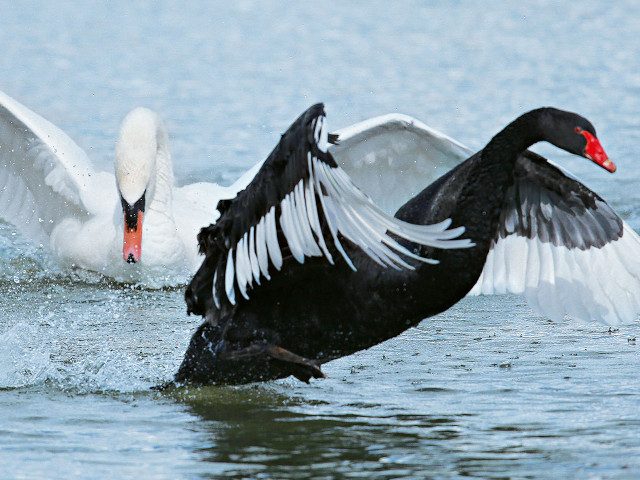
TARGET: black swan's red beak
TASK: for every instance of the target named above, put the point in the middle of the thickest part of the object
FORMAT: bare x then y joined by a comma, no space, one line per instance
594,152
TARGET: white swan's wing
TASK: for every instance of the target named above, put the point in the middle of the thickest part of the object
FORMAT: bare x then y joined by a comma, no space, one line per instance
44,175
561,246
394,157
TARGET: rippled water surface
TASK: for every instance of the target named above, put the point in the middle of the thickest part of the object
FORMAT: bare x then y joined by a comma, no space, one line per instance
487,389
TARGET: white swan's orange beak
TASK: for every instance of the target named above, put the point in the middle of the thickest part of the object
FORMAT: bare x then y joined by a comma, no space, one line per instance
132,244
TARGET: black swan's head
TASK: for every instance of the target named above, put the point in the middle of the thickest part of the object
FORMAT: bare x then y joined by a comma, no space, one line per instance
575,134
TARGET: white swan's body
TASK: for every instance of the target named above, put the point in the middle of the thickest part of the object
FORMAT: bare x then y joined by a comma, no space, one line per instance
53,195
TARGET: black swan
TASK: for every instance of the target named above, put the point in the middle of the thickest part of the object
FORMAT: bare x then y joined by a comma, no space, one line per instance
301,269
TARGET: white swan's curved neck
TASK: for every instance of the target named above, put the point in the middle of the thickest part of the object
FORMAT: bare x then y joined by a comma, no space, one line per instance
143,162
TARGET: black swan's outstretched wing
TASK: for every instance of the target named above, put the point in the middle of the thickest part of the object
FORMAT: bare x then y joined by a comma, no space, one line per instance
562,247
299,203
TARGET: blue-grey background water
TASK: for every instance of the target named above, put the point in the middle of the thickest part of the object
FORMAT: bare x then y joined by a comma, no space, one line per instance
487,389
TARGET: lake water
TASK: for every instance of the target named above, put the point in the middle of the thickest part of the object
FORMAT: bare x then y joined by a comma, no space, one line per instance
487,389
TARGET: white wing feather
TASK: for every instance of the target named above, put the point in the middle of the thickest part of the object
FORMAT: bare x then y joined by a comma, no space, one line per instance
44,176
601,284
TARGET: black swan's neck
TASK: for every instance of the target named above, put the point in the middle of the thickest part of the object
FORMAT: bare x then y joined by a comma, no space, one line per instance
503,149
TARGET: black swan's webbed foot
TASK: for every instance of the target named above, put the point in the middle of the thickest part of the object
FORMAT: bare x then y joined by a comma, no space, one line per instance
218,355
301,368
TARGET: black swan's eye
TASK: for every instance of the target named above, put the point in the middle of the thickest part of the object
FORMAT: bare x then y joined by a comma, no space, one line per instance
578,130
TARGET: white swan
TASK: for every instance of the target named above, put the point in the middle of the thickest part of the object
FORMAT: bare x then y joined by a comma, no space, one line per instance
50,191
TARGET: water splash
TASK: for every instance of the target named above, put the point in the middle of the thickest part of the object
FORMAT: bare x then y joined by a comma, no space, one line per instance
90,337
23,362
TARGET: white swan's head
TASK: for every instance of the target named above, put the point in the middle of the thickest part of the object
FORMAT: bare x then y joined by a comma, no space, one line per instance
142,136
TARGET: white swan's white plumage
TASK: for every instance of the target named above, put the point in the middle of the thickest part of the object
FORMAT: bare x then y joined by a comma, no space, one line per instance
50,191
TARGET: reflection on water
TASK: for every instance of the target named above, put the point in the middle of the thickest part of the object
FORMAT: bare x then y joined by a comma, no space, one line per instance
287,444
259,430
